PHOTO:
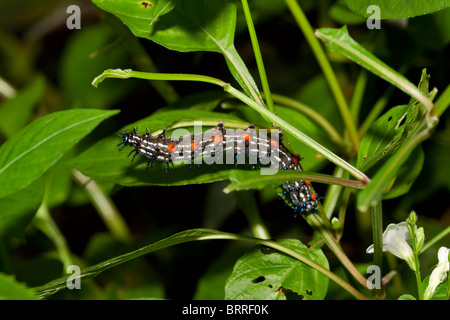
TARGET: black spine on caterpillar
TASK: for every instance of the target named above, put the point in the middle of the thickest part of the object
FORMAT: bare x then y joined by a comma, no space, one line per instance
217,141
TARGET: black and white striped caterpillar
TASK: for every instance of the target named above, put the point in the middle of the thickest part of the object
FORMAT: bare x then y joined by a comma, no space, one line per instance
237,145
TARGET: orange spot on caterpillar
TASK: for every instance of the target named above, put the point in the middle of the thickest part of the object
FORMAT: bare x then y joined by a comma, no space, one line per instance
194,145
274,143
313,196
295,160
246,137
218,138
171,147
307,182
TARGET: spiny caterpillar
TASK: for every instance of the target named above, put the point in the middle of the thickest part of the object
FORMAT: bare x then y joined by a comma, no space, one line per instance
217,142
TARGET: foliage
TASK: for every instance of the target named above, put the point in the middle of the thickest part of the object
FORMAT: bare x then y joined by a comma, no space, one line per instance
365,109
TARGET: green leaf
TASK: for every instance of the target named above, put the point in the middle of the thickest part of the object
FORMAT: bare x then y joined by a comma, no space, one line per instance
34,149
407,174
417,128
10,289
406,297
276,276
397,9
16,112
383,137
104,162
88,52
187,25
339,12
339,40
18,209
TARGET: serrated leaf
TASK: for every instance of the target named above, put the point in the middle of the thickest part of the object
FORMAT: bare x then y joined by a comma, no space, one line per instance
10,289
383,137
275,276
34,149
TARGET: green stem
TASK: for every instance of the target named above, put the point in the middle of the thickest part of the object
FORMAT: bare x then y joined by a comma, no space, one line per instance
377,234
328,238
417,267
313,114
258,56
128,73
375,111
442,103
104,206
358,94
333,193
327,70
248,205
441,235
47,225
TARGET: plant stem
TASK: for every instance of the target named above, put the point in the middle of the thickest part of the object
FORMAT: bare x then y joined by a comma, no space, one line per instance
258,56
328,238
377,235
417,267
375,111
435,239
247,204
442,103
45,223
327,70
313,114
104,206
358,94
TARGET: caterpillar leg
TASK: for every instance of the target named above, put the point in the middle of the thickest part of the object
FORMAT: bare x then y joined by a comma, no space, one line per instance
135,153
150,161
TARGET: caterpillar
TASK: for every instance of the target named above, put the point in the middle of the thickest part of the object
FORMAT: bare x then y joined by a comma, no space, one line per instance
236,145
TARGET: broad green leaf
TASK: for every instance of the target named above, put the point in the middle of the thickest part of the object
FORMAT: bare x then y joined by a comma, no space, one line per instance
339,40
16,112
88,52
187,25
276,276
389,9
18,209
104,162
10,289
38,146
